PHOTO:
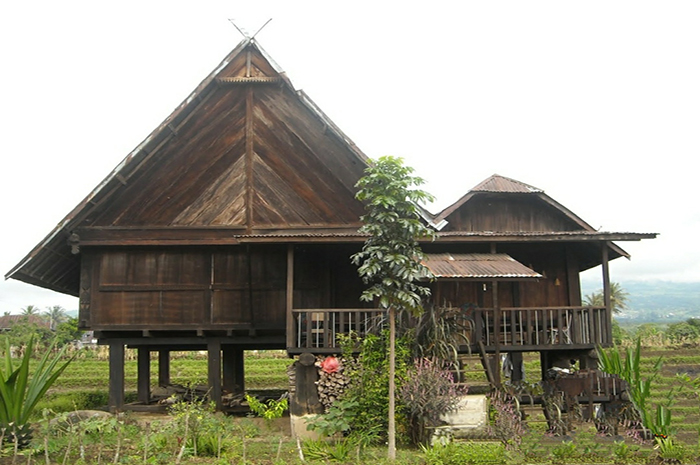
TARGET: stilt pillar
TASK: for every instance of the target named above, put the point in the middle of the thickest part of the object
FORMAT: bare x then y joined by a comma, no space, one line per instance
517,374
214,369
234,369
143,374
116,376
163,367
303,400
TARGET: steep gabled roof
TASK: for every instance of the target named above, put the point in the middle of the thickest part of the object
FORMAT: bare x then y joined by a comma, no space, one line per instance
245,153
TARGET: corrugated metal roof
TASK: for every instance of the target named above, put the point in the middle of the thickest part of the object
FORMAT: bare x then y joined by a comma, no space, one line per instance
603,235
477,265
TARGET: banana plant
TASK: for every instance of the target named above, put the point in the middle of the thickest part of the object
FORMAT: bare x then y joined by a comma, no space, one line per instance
21,390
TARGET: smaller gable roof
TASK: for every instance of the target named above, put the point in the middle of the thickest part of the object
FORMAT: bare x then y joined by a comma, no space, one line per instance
501,185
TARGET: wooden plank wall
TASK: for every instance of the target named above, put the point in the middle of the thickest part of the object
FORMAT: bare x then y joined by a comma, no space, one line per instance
187,288
508,213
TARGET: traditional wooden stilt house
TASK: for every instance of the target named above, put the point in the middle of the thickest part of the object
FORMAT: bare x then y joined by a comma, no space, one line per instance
231,225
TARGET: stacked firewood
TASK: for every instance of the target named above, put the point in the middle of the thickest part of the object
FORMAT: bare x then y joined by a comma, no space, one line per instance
173,393
332,381
292,376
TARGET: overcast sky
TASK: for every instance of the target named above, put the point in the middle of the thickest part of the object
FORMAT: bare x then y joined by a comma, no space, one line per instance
597,102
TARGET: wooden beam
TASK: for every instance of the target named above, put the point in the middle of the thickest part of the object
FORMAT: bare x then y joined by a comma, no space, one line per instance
116,376
486,363
249,148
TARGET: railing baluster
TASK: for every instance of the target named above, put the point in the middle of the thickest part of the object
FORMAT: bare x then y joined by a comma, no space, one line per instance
560,327
332,341
520,319
528,329
488,336
308,330
298,323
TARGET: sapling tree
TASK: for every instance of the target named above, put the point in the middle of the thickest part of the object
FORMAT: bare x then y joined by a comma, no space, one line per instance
390,260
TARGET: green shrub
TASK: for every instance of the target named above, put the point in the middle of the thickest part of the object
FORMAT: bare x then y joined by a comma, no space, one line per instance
369,386
20,390
335,451
269,410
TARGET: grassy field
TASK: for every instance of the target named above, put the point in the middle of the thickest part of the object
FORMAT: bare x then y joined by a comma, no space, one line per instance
84,385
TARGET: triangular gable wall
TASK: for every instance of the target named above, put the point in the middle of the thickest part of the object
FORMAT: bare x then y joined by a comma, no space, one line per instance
251,156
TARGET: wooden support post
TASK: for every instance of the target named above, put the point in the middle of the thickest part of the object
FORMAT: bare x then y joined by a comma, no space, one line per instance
116,376
290,296
607,332
143,374
234,369
545,364
214,372
497,322
163,367
517,374
304,400
573,280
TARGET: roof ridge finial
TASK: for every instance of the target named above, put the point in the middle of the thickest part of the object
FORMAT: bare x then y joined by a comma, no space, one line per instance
244,33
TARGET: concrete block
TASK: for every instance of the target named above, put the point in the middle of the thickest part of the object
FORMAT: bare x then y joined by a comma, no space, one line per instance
470,416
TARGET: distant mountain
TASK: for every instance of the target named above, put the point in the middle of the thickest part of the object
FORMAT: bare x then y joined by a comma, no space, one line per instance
657,301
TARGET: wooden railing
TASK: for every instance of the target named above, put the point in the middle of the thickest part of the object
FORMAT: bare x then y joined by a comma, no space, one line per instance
316,330
515,329
545,327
